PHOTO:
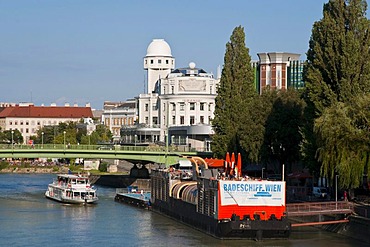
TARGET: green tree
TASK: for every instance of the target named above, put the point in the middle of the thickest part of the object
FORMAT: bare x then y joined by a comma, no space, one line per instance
17,136
337,71
284,110
343,132
234,98
101,135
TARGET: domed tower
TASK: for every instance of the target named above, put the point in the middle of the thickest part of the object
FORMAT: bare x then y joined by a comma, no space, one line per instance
158,62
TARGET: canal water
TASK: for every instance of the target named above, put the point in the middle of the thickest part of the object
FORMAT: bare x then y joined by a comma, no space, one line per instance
27,218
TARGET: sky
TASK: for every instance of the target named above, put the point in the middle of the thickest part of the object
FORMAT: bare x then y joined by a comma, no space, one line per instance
91,51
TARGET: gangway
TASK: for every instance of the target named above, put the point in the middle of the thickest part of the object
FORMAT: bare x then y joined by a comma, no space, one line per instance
344,208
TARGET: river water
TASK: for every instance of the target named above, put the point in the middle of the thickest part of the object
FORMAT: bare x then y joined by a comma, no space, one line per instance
27,218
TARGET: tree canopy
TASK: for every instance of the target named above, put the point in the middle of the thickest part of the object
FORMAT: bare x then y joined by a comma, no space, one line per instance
234,97
337,75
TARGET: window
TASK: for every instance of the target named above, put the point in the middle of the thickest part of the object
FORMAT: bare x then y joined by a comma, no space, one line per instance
27,123
192,106
38,122
154,107
27,130
10,123
166,61
192,120
21,122
210,89
151,61
182,120
202,119
201,106
173,120
15,122
147,120
159,61
155,120
182,106
172,89
146,107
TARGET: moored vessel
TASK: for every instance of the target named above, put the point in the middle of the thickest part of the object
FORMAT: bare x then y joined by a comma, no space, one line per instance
70,188
133,195
215,198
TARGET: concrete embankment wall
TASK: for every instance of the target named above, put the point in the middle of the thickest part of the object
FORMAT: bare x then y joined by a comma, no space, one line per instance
357,227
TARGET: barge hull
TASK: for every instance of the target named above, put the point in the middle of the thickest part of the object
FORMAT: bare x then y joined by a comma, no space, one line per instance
140,201
233,228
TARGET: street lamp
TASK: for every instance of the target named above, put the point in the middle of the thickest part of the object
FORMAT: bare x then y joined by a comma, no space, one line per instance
262,172
64,135
135,140
12,139
42,139
336,191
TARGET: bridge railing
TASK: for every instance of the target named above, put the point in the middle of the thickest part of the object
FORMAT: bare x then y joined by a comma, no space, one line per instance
154,148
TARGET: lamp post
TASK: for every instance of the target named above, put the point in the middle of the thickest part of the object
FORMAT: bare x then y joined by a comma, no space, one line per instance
64,138
42,139
262,172
135,140
336,191
12,139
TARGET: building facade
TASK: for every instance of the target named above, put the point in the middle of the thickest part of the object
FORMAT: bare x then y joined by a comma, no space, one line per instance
28,118
279,70
178,105
118,114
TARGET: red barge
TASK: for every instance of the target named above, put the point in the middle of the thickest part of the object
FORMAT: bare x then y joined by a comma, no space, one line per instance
212,196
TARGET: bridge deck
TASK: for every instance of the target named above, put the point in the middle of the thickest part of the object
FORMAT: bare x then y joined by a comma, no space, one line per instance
319,208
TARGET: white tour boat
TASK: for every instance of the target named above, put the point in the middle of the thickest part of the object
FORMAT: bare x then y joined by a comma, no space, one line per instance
69,188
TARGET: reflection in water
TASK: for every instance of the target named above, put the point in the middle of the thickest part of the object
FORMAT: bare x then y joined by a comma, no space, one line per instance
29,219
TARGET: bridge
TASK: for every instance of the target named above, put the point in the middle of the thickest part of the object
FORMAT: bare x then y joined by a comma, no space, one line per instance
144,154
340,208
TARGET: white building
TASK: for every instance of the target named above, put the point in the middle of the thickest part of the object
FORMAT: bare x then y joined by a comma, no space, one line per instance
179,102
118,114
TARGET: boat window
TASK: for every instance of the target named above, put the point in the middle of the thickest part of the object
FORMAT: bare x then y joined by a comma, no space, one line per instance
73,181
76,194
81,181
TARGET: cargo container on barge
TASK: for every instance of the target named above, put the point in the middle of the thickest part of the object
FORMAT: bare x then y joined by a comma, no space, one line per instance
212,196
